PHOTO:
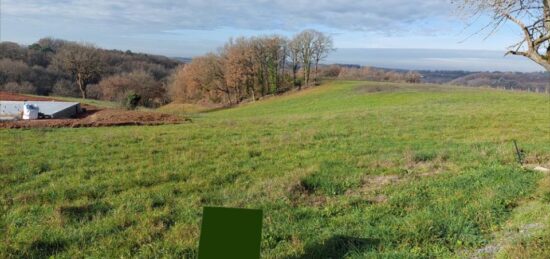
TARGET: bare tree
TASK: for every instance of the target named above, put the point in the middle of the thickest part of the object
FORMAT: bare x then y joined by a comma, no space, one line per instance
12,50
305,41
82,62
312,47
531,16
259,48
270,59
283,54
294,57
322,46
13,71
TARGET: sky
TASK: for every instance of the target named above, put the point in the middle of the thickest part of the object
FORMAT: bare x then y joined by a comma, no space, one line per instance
409,34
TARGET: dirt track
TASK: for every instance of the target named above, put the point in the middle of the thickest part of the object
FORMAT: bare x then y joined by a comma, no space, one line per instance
93,117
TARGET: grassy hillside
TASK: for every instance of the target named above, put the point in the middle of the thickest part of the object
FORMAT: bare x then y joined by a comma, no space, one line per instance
349,169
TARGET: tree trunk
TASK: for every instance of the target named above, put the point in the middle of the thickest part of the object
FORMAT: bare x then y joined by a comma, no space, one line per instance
294,72
229,97
539,60
267,80
546,18
307,74
532,52
250,84
81,86
316,69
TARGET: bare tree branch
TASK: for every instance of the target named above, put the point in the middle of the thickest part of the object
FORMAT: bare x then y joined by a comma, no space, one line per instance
531,16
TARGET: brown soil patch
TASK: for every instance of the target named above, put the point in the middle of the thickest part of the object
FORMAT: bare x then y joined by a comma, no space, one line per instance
99,118
92,117
299,195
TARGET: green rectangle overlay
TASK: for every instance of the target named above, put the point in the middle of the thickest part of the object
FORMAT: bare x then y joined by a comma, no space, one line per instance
230,233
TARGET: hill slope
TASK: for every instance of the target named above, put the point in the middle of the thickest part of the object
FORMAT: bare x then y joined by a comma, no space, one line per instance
348,169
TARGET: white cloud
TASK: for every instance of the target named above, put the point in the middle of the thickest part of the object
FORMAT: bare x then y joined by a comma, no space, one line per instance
193,27
157,15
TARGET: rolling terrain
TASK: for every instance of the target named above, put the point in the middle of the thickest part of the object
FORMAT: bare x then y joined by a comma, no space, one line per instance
345,170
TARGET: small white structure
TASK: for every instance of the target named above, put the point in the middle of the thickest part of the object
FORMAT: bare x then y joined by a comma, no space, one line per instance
30,112
10,110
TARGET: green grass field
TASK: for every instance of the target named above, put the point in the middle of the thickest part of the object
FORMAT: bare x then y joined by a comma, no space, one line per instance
348,169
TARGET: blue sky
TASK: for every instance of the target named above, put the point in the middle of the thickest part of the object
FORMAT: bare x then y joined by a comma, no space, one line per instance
187,28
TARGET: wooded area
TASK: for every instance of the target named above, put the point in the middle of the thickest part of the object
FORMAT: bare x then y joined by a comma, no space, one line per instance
63,68
249,68
243,69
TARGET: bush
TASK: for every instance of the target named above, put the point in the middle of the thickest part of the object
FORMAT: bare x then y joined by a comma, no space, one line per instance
93,91
132,101
65,88
140,83
13,71
22,88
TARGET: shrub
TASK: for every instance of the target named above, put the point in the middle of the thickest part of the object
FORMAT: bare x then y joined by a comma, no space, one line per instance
132,101
119,87
13,71
22,88
65,88
93,91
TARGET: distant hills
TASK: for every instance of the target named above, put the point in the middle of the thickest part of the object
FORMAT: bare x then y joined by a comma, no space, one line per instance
508,80
536,81
183,59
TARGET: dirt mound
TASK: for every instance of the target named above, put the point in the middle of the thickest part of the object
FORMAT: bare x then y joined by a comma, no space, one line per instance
92,117
101,118
121,117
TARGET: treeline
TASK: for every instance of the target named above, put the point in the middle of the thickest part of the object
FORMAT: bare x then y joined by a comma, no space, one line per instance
243,69
373,74
249,68
533,82
63,68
